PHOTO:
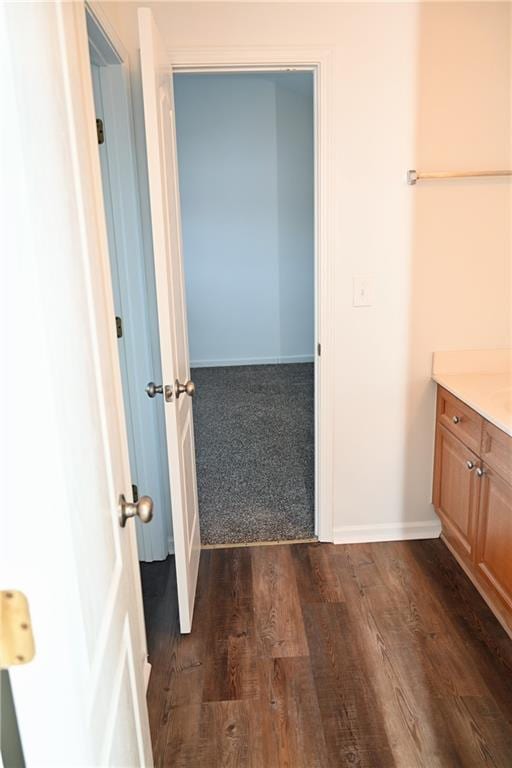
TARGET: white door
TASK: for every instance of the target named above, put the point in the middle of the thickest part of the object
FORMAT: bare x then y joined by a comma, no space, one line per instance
81,701
172,319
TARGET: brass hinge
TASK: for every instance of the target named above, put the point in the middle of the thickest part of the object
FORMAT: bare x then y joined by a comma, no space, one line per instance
319,349
100,131
16,638
135,493
119,327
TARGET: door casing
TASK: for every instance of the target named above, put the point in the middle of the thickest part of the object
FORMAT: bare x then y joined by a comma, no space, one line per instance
318,61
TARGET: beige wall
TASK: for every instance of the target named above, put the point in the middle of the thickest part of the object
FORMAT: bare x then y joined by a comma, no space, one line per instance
416,86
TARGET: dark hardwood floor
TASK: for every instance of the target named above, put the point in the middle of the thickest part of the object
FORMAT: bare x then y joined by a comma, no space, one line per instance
323,656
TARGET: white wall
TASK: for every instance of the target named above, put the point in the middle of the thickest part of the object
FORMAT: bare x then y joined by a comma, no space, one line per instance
415,86
245,150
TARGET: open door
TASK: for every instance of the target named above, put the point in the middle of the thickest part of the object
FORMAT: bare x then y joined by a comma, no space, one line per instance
81,699
177,389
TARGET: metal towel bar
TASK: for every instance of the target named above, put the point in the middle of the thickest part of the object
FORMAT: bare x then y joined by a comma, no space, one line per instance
414,176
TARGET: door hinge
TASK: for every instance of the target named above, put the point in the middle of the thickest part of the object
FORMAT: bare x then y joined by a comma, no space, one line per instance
16,638
319,349
119,327
100,131
135,493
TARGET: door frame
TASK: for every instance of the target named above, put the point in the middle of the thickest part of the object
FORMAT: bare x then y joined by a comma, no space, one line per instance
133,286
318,60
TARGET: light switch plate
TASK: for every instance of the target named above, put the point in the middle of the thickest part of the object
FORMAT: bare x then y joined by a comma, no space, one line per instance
362,291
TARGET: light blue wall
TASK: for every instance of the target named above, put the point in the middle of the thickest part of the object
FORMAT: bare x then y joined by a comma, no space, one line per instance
245,151
134,296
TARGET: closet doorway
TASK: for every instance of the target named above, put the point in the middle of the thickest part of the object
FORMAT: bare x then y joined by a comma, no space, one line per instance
246,157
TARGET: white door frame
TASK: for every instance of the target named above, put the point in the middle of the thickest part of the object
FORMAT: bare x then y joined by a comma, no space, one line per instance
133,286
318,61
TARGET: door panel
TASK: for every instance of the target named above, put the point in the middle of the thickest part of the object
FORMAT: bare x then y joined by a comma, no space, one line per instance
493,557
122,714
165,220
455,491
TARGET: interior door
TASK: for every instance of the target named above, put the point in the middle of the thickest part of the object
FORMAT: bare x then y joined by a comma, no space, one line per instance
177,389
81,700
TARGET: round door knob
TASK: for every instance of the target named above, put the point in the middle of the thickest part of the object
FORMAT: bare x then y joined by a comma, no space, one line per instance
189,388
470,464
456,419
480,472
143,509
153,389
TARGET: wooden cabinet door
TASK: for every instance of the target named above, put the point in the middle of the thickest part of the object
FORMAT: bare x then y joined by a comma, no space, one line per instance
493,550
456,491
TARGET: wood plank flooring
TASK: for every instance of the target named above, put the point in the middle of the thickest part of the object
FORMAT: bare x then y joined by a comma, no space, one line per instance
323,656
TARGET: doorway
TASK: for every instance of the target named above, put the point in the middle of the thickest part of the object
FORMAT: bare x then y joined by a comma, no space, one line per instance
246,159
163,302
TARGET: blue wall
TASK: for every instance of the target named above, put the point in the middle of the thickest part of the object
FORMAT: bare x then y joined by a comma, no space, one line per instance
246,164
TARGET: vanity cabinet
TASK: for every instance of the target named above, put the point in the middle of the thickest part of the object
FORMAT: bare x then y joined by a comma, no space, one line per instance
473,498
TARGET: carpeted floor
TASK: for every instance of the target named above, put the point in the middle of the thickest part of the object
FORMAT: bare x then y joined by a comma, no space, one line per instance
254,433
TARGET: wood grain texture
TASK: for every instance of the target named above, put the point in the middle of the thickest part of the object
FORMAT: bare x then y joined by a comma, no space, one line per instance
496,451
323,656
494,541
456,490
231,670
162,628
292,711
278,615
457,417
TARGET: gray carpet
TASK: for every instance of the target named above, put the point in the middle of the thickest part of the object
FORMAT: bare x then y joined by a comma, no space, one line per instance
254,433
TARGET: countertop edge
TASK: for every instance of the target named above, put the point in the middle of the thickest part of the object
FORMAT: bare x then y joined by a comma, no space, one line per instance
507,428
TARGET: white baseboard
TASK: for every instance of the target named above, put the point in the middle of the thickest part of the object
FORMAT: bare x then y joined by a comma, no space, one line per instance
361,534
252,361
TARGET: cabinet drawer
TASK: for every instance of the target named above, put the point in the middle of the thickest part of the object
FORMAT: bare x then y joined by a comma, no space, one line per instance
459,419
497,450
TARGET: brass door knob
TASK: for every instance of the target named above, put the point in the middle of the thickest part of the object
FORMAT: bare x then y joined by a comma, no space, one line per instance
143,509
189,388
